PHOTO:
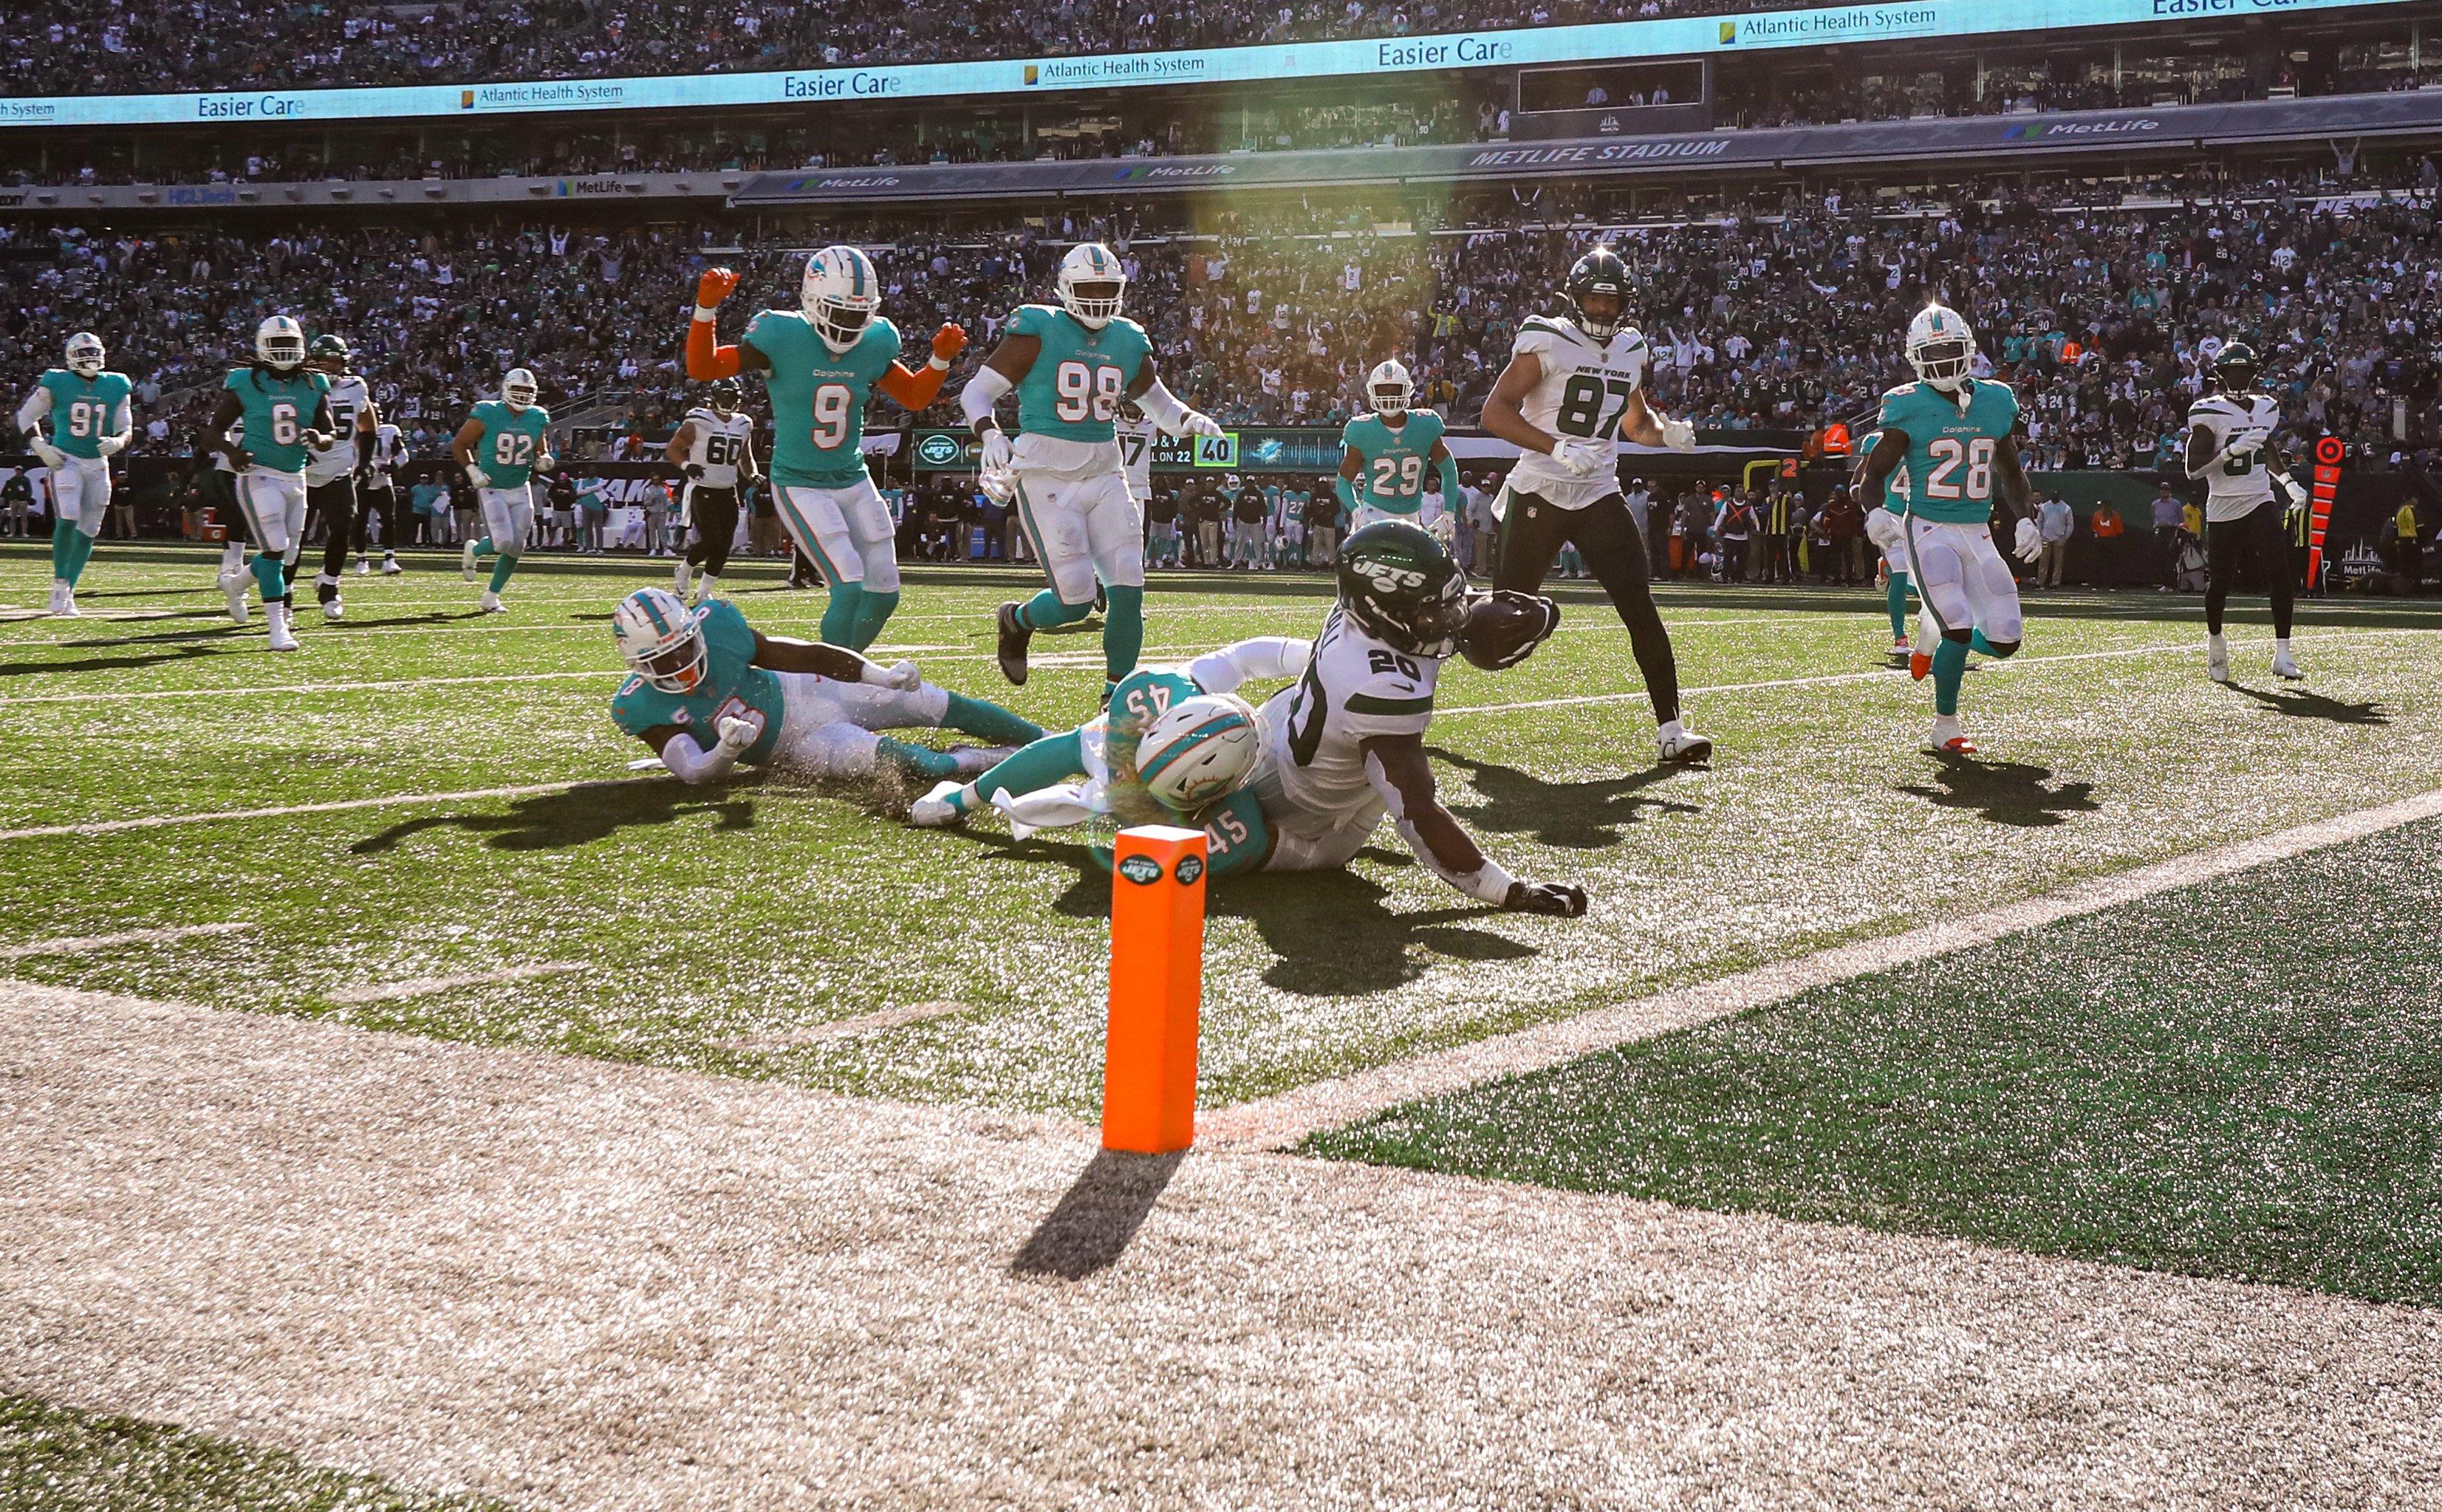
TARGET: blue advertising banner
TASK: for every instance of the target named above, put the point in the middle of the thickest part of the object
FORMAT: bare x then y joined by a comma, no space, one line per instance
1677,37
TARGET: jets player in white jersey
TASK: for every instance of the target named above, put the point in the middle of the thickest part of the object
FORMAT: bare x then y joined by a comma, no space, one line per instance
1573,390
332,476
2230,447
1135,434
379,493
715,448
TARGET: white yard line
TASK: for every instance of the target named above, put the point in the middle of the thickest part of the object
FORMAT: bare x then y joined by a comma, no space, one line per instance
1278,1121
300,687
157,821
427,985
844,1028
72,944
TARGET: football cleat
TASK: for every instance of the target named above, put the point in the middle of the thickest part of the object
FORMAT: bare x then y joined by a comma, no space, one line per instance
1920,663
277,616
1015,635
1683,745
389,565
490,603
934,811
364,566
2218,659
975,760
1950,736
2283,664
331,608
1903,650
232,584
62,600
467,563
678,577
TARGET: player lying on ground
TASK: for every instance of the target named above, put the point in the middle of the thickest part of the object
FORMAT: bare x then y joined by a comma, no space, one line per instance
1955,434
1302,785
710,691
91,422
821,365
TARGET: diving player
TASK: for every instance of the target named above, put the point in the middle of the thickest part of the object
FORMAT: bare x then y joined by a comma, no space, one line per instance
331,474
501,445
1954,434
277,404
91,422
1883,527
1072,367
710,691
714,446
1384,455
2230,446
822,365
1574,388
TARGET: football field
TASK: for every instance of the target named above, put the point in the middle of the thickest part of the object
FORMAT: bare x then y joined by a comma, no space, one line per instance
2228,1067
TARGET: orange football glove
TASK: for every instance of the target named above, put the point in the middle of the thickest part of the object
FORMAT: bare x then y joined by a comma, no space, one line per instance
949,342
716,285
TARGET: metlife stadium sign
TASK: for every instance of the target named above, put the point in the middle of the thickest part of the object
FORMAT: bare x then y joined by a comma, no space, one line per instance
1681,36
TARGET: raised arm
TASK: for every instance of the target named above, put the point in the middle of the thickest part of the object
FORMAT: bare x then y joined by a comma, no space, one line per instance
706,358
916,388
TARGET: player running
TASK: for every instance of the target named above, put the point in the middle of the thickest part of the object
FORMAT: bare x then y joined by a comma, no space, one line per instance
1072,367
332,474
710,691
501,446
277,404
1954,434
1383,455
380,488
1573,390
822,365
2230,446
1883,527
715,448
92,420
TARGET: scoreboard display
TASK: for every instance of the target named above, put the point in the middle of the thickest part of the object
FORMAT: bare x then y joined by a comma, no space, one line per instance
1253,449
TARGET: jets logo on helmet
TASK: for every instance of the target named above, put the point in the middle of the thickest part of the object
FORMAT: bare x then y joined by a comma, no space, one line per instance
1201,748
2236,368
330,353
1941,347
1093,285
85,355
518,390
1402,587
279,344
1599,274
660,639
841,296
1389,388
723,394
1503,627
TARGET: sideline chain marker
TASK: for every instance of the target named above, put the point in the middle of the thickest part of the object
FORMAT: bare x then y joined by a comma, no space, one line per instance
1157,987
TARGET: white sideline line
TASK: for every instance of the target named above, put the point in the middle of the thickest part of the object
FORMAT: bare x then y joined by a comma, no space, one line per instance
1885,674
71,944
1276,1122
426,986
105,827
298,688
844,1028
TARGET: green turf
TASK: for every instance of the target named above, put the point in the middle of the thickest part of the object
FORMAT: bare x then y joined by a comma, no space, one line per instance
56,1459
712,927
2242,1078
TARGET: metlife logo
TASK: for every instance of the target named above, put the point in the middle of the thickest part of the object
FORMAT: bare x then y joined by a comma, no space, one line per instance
2135,126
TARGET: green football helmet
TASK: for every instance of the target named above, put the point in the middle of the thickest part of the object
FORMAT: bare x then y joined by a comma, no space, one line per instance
330,353
2236,368
1402,587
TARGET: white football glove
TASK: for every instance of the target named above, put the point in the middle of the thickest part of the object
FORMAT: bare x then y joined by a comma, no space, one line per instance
999,484
903,677
738,731
1883,528
478,476
545,463
1582,459
52,457
2030,541
111,446
1195,424
1679,435
996,450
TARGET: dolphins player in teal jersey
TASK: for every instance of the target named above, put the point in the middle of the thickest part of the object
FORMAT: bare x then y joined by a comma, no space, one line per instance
502,446
90,423
280,407
1072,367
1883,527
710,691
821,365
1954,436
1384,454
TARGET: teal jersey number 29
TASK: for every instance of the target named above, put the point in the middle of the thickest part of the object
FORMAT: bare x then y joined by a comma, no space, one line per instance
818,397
276,411
1952,451
86,409
512,440
1395,462
1079,377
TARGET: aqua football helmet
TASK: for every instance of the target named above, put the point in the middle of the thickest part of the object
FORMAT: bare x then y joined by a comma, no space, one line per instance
841,296
1389,388
279,344
1941,347
1092,284
661,639
85,355
518,390
1199,750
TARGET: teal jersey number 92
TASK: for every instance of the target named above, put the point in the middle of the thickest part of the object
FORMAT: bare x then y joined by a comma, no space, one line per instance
512,441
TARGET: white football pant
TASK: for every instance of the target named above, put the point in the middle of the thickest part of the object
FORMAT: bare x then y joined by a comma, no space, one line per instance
847,531
1083,528
508,518
1960,574
80,493
275,511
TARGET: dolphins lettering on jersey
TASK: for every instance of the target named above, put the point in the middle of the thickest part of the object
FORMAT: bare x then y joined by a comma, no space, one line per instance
1951,475
818,398
1393,462
512,440
274,411
1079,377
732,685
86,409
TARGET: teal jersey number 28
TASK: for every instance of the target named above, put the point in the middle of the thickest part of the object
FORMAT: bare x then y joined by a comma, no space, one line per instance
1953,451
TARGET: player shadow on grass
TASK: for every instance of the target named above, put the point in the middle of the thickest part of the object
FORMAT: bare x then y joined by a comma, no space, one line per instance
2304,705
107,663
555,821
1572,816
1098,1215
2008,793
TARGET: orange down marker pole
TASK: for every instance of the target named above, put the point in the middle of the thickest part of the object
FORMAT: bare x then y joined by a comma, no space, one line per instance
1157,983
